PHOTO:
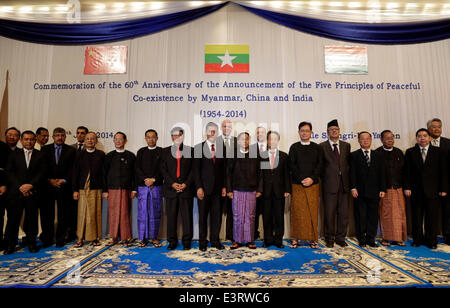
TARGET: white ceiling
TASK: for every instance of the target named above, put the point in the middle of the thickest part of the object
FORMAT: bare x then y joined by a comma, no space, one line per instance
93,11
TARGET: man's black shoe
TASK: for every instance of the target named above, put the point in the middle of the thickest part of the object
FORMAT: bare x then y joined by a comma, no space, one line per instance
33,248
172,246
342,243
9,250
218,246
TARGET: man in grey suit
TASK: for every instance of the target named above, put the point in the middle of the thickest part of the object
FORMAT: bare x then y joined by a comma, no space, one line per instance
80,135
335,185
230,143
434,127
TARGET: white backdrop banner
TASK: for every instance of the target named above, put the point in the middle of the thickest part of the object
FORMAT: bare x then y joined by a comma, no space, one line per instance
166,85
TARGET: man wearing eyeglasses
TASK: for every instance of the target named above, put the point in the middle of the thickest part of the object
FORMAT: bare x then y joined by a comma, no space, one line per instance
435,128
178,188
335,185
60,158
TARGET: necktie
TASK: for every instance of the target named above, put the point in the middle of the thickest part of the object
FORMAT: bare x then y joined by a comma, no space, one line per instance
227,142
272,161
366,156
178,162
57,154
80,145
336,153
213,153
424,154
261,148
435,143
28,157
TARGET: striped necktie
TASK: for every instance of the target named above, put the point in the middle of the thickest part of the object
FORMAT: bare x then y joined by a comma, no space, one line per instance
424,154
366,156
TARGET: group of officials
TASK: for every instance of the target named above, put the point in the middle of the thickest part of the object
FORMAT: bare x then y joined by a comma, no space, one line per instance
226,174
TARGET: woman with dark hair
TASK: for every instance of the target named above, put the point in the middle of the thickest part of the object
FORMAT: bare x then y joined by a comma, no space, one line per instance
244,185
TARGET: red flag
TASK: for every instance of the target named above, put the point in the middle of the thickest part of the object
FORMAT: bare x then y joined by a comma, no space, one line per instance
105,60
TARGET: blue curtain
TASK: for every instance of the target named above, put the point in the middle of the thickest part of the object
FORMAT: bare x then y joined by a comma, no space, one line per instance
80,34
405,33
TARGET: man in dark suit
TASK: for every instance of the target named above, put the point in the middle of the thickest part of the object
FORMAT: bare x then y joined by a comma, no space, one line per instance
80,135
335,185
209,167
26,172
368,185
60,159
425,181
435,129
276,187
4,154
259,149
178,189
230,143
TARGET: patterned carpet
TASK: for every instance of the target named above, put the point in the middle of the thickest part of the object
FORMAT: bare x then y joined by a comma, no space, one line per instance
271,267
42,269
431,266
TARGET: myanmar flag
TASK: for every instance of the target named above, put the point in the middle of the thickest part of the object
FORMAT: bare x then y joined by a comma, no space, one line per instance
227,59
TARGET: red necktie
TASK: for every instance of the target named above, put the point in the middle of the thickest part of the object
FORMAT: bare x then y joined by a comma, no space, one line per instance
272,161
336,153
213,153
178,162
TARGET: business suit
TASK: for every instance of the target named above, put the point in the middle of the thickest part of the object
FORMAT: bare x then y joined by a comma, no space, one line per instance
425,180
335,190
210,176
230,150
276,182
19,174
230,145
255,149
178,201
77,148
4,154
369,182
444,145
67,212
